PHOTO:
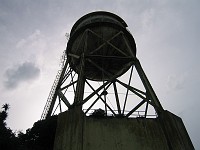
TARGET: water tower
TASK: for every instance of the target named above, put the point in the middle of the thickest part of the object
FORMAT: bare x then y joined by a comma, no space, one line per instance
104,108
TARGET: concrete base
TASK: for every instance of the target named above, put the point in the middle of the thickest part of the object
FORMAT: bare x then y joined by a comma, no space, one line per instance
78,132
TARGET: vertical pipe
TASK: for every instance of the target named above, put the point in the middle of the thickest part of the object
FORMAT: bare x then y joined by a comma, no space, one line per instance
105,100
81,78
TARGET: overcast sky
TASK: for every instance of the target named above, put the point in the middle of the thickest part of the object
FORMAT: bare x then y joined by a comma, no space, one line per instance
32,39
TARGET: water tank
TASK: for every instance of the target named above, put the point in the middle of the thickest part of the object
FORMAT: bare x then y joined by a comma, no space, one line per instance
104,42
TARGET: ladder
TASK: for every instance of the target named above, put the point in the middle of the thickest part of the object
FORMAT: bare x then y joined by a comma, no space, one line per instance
53,88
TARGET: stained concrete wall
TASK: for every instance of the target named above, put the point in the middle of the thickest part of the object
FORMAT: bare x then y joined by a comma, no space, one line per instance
78,132
123,134
175,132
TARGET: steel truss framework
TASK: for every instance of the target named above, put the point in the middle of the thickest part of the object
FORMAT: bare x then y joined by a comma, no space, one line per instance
71,88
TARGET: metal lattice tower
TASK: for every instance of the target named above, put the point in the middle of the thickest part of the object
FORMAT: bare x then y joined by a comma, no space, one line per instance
98,70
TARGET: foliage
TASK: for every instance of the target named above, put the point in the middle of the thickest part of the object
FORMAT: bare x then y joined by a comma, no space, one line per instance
98,113
39,137
8,140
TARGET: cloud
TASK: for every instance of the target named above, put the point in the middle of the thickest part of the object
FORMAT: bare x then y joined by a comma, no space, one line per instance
21,43
176,82
27,71
35,38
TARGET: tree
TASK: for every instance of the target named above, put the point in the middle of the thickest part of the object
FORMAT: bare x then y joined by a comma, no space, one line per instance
6,107
41,136
8,140
4,115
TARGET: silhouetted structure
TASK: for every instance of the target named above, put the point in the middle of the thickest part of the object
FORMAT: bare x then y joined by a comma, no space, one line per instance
98,66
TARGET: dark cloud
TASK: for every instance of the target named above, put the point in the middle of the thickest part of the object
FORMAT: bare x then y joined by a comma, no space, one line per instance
23,72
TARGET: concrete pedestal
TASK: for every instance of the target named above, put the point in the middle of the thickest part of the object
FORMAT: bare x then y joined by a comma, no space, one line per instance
78,132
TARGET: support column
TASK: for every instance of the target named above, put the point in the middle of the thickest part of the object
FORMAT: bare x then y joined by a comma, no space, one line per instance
148,87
